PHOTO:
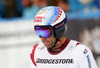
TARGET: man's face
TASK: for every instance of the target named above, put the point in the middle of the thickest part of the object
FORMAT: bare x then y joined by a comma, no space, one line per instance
46,35
48,42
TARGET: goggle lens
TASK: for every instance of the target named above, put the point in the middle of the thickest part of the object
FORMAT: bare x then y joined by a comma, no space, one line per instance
44,32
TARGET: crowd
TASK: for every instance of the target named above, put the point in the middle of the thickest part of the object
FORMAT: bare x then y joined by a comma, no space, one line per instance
28,8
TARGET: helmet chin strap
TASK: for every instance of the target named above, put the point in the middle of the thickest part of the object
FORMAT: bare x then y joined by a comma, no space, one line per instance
56,44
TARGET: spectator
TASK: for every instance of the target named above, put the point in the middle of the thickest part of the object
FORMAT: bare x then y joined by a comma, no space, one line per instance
32,7
19,8
97,3
81,5
10,9
3,7
61,3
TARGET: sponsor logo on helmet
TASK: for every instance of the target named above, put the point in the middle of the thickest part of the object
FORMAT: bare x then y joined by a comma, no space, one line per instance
57,26
42,11
38,18
54,61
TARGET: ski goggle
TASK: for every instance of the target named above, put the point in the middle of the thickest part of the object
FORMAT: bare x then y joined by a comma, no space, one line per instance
43,31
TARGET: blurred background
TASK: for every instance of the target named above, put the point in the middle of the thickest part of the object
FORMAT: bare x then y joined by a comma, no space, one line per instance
17,35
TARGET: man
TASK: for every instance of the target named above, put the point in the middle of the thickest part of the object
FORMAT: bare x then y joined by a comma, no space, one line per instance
55,50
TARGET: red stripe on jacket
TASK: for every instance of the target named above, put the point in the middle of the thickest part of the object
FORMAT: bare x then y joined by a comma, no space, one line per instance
32,54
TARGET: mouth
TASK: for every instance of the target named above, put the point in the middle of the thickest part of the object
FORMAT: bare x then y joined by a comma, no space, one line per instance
45,42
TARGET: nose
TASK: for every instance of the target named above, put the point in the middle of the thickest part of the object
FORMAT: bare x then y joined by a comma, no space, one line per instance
42,38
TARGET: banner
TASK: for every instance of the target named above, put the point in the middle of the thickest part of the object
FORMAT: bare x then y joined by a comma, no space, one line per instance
17,32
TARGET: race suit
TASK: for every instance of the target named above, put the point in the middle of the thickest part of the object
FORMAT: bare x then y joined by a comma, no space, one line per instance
71,54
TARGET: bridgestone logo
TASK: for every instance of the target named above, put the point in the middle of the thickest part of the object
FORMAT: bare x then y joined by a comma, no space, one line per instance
54,61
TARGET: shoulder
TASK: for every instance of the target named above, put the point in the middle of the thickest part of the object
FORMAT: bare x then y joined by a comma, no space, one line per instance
82,50
38,47
78,47
72,44
34,48
34,51
81,47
